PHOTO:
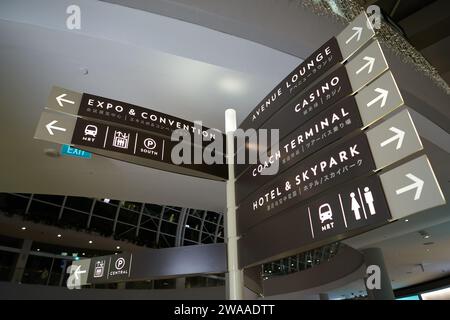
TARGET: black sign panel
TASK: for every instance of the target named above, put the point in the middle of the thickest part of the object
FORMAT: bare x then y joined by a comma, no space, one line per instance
109,110
326,92
110,268
352,209
312,68
315,100
103,137
330,167
329,126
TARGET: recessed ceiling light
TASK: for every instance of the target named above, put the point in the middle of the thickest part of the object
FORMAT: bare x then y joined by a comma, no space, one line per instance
90,241
118,248
24,228
83,254
59,236
427,236
38,250
406,220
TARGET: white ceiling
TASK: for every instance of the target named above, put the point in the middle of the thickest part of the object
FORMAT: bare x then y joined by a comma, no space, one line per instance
165,64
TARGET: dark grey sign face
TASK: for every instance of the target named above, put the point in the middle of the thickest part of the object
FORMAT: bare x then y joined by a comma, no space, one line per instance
328,168
411,188
366,66
110,268
329,126
379,98
159,263
125,144
394,139
105,109
355,35
55,127
89,133
351,209
312,68
97,135
326,92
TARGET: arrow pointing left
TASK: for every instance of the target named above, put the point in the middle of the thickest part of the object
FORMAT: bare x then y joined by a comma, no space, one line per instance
60,99
370,63
399,135
50,127
78,271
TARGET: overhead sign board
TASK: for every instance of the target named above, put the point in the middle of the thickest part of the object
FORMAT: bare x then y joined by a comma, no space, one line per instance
411,188
123,113
387,143
374,102
333,216
332,53
331,166
122,143
329,126
334,87
113,268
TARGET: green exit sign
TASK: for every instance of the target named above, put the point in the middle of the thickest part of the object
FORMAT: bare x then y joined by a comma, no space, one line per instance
74,152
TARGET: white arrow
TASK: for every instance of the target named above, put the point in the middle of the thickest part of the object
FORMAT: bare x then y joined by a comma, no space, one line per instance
418,184
51,127
382,95
370,62
357,33
399,135
78,272
60,99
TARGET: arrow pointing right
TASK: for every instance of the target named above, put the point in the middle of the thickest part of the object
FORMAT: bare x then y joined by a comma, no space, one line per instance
399,135
370,63
357,34
50,126
418,185
383,94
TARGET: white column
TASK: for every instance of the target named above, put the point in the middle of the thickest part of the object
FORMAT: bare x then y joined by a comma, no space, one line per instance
235,276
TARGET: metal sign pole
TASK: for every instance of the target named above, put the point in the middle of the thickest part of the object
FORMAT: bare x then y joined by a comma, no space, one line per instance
235,276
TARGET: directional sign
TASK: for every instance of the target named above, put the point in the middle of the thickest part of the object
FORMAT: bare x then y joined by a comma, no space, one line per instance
366,66
412,187
338,214
337,85
333,52
123,144
329,126
356,34
371,108
394,139
79,273
379,98
327,168
105,109
47,128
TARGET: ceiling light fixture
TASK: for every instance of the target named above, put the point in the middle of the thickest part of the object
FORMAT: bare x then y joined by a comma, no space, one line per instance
24,228
118,248
59,235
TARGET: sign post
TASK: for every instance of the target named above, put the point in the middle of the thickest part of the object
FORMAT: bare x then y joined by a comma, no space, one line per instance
235,281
